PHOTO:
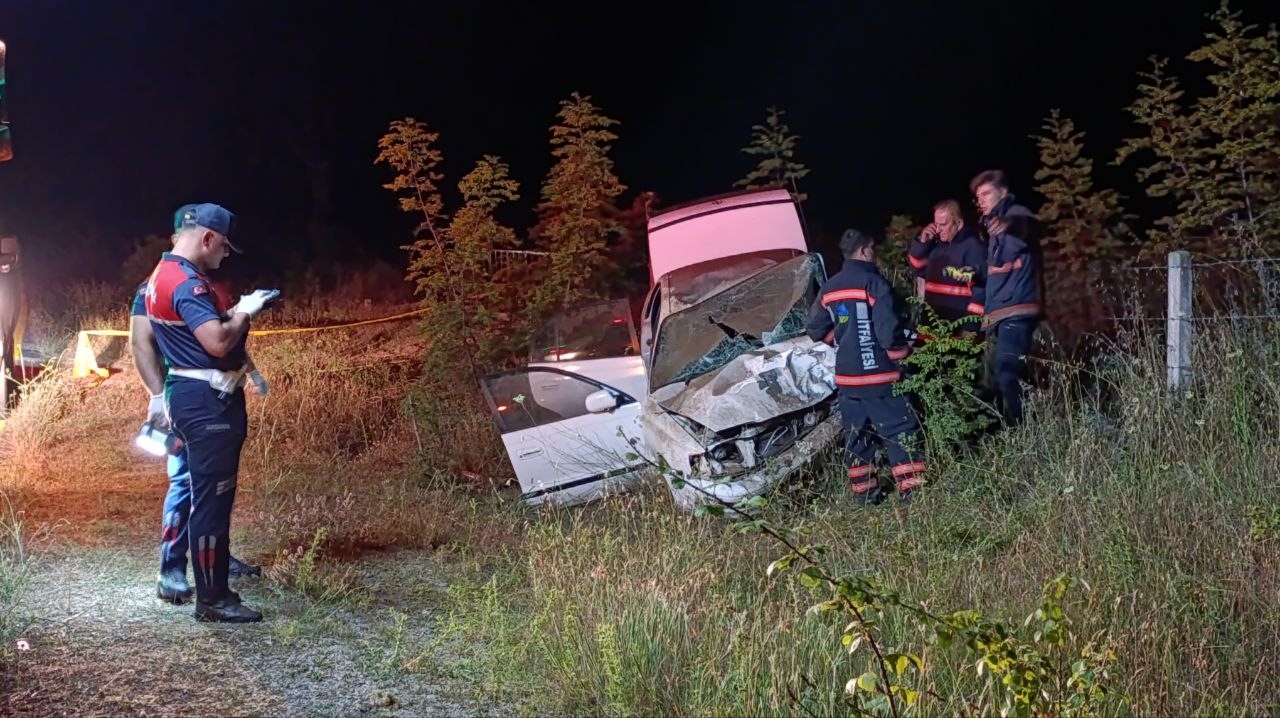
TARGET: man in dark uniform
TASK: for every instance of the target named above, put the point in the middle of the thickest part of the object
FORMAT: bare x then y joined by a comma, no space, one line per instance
855,309
1015,286
171,582
950,260
203,343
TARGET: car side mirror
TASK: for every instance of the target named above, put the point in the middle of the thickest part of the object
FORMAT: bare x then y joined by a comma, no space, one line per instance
599,402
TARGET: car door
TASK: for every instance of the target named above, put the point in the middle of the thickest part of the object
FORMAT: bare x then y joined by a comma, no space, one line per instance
564,448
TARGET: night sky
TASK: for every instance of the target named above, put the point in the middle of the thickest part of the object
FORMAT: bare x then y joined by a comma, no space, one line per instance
123,110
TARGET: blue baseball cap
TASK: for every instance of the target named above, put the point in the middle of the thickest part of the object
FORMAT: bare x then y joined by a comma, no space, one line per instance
210,216
177,216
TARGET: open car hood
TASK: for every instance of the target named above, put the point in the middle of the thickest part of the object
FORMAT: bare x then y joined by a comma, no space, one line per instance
756,386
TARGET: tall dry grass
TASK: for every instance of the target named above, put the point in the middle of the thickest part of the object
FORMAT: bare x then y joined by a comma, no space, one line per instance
1165,505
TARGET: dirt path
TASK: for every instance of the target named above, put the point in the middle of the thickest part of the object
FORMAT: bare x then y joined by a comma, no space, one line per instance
103,644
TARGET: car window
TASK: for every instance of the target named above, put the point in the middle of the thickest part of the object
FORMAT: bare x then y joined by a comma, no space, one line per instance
593,331
526,399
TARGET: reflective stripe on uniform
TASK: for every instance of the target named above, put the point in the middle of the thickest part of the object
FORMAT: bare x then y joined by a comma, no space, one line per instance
887,377
948,289
842,294
910,482
902,469
862,487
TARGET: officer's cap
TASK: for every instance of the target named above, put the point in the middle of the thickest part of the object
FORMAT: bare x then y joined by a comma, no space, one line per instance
210,216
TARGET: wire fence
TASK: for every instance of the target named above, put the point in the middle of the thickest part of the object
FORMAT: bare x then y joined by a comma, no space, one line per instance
1229,290
1182,298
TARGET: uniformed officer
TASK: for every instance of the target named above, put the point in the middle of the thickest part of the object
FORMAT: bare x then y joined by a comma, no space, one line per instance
171,582
855,309
203,342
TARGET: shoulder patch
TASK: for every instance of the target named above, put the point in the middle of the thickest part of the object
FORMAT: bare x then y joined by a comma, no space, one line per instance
200,289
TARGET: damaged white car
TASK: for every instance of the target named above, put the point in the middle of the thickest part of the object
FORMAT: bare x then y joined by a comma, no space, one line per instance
722,382
738,396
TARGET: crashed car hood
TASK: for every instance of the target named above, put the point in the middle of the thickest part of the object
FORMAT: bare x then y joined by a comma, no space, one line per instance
756,386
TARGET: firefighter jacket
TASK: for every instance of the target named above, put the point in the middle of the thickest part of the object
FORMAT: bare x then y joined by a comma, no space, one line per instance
855,309
1014,287
954,274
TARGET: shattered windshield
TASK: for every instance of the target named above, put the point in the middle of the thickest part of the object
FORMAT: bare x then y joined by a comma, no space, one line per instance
769,307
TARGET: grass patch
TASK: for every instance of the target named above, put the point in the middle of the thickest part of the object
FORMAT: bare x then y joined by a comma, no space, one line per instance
15,567
630,608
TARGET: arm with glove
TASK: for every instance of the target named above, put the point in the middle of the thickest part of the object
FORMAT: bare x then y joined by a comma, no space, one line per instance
221,336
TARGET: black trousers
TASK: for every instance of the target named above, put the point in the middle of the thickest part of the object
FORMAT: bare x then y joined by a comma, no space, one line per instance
1011,342
213,429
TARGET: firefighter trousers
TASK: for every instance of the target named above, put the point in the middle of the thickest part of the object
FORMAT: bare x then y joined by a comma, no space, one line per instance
872,423
212,427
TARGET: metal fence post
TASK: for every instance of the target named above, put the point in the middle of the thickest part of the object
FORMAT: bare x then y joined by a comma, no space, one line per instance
1179,322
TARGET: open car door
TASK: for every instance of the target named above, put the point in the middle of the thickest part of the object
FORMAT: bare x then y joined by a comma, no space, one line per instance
566,434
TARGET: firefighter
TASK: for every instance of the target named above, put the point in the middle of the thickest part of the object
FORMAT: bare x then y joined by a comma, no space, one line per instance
1015,289
202,341
950,261
171,582
855,312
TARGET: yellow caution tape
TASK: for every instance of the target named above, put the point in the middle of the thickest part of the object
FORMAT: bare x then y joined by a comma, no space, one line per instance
300,330
86,362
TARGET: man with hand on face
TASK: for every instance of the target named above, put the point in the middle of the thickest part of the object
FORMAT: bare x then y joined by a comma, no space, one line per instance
203,343
950,261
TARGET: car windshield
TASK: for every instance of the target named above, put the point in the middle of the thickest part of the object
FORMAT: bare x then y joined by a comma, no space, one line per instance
763,309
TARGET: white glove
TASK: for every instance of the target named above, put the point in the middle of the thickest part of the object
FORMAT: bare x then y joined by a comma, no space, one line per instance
253,303
157,415
255,376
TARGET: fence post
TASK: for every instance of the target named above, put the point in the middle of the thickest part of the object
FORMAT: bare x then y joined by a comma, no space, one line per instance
1179,322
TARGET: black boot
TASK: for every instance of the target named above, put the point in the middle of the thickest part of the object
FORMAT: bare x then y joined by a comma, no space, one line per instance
173,588
239,569
229,609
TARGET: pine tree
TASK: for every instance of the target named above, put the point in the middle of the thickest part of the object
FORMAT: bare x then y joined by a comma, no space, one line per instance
488,304
577,195
1242,186
447,270
1174,140
1084,228
409,147
1216,158
776,147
